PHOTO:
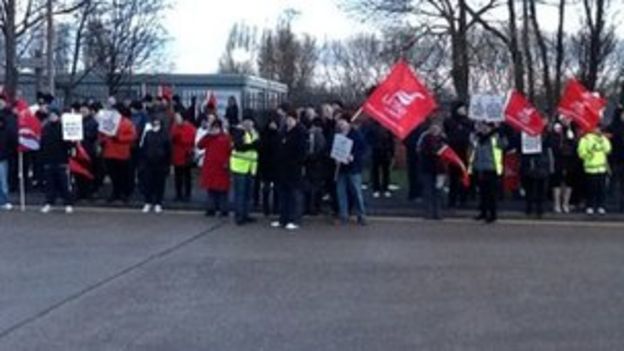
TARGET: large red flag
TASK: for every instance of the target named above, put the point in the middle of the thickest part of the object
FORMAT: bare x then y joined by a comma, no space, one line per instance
401,102
80,163
450,157
29,129
520,114
581,105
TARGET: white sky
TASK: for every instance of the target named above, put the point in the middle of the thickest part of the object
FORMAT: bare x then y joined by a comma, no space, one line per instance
199,28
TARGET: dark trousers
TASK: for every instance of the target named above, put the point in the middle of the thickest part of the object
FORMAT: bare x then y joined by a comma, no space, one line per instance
84,187
313,196
458,194
413,174
380,173
242,196
432,196
154,181
119,173
270,199
535,195
596,191
488,187
57,183
183,182
217,202
290,204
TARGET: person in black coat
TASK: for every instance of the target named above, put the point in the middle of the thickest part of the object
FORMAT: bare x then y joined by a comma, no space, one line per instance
291,154
268,163
458,129
316,150
54,156
536,168
616,158
381,142
86,187
8,143
155,151
232,112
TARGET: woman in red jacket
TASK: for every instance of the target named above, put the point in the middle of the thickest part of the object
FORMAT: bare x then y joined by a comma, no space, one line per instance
215,171
183,140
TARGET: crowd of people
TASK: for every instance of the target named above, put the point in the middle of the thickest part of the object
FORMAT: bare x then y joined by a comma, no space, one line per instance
282,161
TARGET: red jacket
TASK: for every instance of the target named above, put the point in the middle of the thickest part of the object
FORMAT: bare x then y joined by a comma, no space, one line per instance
119,146
215,172
183,140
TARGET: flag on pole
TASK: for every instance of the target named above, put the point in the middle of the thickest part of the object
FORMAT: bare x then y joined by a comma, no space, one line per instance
29,130
450,157
581,105
521,115
401,102
80,163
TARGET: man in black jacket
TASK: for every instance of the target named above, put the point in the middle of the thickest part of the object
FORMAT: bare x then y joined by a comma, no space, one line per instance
54,156
8,145
458,129
291,153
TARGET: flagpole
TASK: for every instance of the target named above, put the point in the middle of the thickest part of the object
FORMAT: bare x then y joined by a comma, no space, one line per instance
357,114
22,182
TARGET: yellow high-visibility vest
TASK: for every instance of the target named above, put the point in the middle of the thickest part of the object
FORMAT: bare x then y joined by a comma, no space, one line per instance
498,157
245,162
594,150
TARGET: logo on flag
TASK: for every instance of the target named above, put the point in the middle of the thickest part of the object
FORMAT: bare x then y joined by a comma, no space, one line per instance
401,102
521,115
581,105
29,131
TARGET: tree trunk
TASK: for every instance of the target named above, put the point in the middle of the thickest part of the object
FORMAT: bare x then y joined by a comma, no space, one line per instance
543,48
516,54
526,42
461,64
10,42
595,43
560,50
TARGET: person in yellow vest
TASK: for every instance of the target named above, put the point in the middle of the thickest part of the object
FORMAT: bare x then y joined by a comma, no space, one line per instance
244,166
594,149
486,163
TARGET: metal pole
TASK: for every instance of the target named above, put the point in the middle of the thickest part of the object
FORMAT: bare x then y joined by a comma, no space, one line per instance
22,181
50,47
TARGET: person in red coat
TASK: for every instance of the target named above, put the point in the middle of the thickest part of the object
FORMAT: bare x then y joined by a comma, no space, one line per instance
183,141
215,171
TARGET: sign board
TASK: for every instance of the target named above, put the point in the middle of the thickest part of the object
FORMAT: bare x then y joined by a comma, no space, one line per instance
72,127
487,108
108,121
531,145
341,148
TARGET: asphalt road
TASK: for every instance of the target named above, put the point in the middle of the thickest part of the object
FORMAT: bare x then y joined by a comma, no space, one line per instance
125,281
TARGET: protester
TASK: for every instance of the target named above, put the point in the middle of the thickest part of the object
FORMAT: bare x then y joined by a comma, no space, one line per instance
291,153
381,142
8,143
11,120
486,162
268,164
315,166
349,180
215,177
433,170
232,112
117,157
55,153
536,167
244,166
563,143
329,130
85,187
155,157
183,140
594,149
413,162
616,158
458,129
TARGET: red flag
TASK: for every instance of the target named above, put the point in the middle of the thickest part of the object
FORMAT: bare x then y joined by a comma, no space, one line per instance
211,100
401,102
166,92
29,130
80,163
450,157
581,105
520,114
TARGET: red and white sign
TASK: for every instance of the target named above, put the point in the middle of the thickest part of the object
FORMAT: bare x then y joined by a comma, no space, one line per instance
29,129
581,105
401,102
521,115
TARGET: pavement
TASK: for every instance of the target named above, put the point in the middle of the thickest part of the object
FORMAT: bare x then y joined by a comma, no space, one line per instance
118,280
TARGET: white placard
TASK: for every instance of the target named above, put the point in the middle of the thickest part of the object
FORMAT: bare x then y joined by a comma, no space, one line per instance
108,121
531,145
72,127
487,108
341,148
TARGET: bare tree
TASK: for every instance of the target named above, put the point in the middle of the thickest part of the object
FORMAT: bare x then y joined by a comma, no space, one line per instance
241,41
125,36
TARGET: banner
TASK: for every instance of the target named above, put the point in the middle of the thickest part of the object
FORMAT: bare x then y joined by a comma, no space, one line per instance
29,131
521,115
108,121
581,105
401,102
341,148
450,157
487,108
531,145
72,127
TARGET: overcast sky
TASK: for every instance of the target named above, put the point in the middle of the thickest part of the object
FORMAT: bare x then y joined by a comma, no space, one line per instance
199,28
